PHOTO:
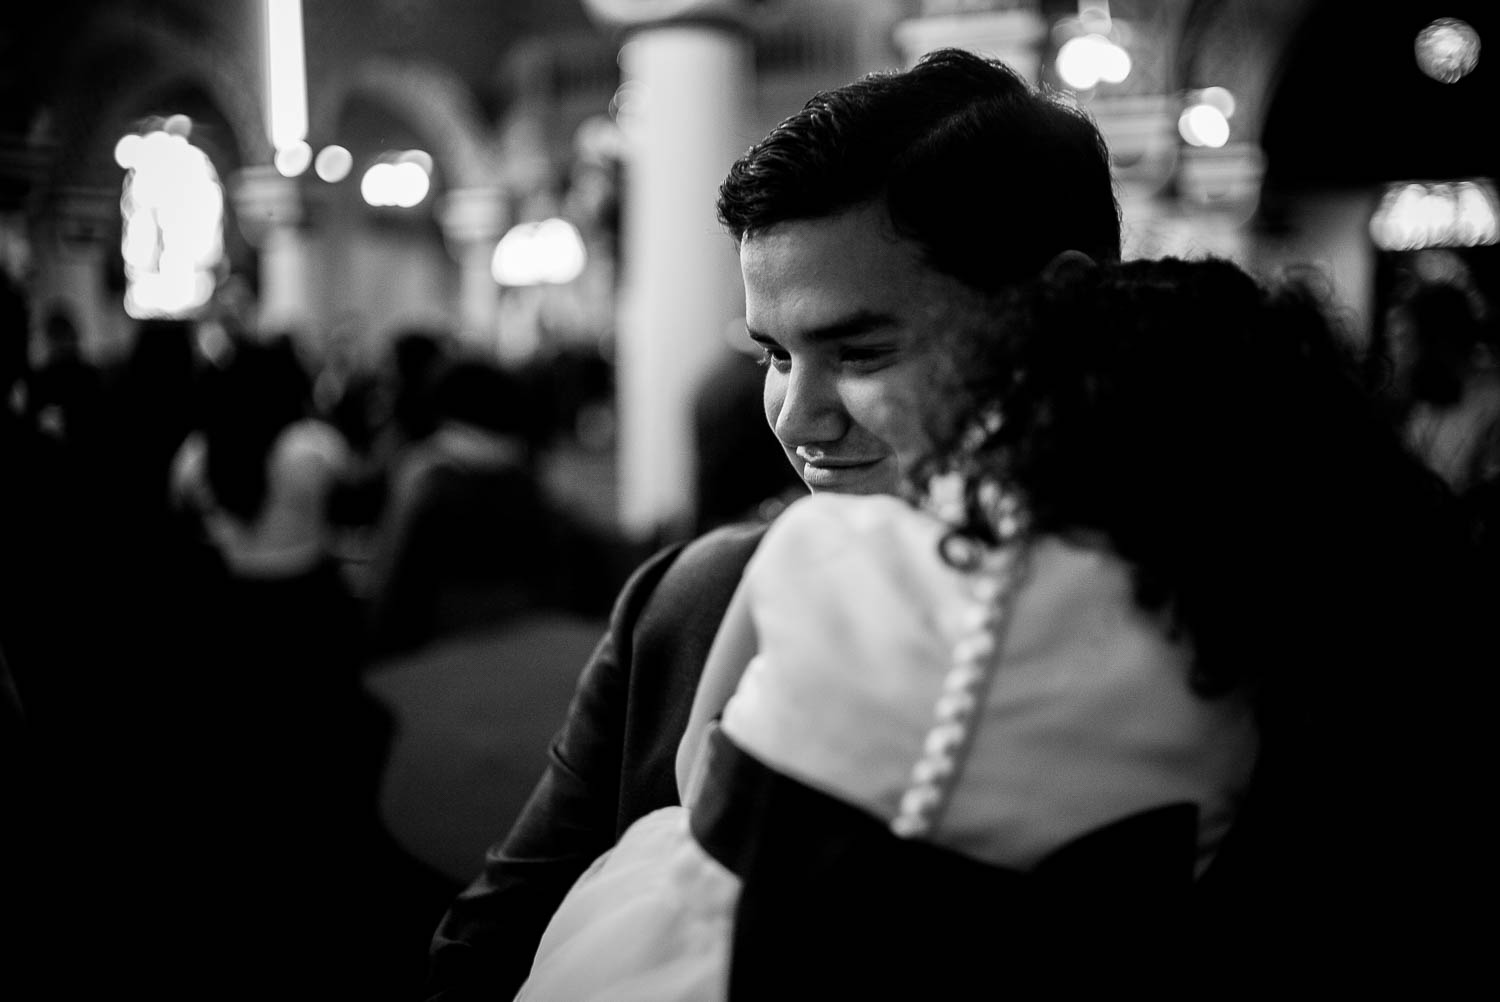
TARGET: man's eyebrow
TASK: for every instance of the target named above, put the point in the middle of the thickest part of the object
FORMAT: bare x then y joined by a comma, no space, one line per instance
863,322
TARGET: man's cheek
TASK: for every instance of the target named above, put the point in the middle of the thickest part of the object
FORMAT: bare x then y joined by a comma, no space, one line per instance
899,418
772,396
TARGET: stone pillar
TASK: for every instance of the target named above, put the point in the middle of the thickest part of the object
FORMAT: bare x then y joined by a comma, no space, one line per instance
272,211
1015,35
689,67
473,220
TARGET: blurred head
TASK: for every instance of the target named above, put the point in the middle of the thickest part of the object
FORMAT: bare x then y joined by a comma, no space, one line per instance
262,389
415,356
868,218
1441,334
15,323
482,394
60,338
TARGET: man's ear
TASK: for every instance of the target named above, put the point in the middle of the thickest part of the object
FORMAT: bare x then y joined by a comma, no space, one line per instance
1069,262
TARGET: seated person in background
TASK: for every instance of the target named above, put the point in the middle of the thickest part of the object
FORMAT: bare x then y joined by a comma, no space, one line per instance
463,541
260,470
1088,705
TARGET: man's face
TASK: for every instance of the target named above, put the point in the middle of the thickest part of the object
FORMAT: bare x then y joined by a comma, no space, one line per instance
849,318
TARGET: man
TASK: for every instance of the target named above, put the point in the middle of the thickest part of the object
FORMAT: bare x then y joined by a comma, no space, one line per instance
864,222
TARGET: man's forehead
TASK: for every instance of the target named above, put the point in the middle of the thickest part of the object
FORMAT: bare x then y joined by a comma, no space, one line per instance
855,324
831,273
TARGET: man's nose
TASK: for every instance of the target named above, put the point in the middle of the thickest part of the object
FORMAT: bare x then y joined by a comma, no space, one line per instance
811,410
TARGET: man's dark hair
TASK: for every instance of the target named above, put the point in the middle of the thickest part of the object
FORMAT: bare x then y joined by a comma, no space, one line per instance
990,175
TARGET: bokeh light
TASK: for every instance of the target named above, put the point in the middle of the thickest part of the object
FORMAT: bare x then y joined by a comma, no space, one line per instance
1447,49
1414,215
292,160
127,149
1219,98
172,225
549,252
399,179
1203,125
421,158
333,163
1085,61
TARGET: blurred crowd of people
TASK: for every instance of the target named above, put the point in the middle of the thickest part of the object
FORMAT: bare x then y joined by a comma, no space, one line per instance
211,547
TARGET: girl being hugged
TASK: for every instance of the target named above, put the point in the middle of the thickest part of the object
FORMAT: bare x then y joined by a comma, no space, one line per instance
1134,686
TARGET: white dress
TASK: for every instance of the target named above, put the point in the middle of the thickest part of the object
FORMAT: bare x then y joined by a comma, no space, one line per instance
1086,718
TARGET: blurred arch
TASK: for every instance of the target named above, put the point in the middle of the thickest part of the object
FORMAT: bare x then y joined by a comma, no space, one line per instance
433,101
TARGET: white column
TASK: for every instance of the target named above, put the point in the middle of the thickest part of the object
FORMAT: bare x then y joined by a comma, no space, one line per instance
473,220
272,211
680,282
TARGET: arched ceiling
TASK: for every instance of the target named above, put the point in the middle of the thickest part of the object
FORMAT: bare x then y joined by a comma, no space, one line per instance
1328,87
71,67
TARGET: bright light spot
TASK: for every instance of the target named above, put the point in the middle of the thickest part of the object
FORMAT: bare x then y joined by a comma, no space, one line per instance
165,166
286,76
172,233
140,244
1085,60
127,149
402,184
375,184
333,163
292,160
174,294
1219,98
178,125
1447,49
547,252
1203,125
411,184
1449,214
421,158
1114,64
1095,16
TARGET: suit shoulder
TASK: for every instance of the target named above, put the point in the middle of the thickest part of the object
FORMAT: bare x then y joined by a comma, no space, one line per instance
715,559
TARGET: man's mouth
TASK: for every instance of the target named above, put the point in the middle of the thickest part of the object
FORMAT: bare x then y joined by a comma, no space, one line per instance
835,472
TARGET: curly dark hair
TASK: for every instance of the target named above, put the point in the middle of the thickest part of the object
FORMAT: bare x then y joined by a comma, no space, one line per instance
989,175
1216,432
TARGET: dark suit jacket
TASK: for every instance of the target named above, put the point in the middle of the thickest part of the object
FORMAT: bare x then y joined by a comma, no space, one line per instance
613,762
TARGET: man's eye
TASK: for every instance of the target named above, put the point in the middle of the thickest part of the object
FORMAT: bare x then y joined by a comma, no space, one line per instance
776,358
865,358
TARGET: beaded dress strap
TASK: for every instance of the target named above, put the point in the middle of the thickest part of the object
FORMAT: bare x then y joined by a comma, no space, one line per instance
995,579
